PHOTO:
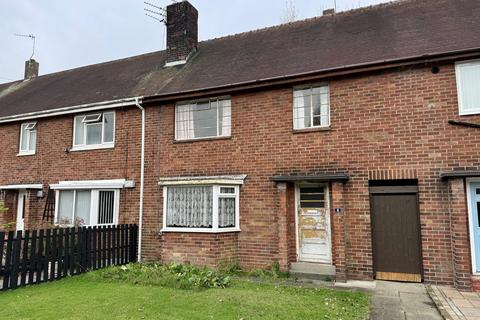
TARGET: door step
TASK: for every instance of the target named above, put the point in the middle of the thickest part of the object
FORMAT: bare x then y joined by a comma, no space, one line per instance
312,271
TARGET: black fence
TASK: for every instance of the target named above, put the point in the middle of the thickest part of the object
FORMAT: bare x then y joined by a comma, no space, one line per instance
32,257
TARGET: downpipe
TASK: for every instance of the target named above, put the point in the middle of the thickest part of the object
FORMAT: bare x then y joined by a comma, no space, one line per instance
142,178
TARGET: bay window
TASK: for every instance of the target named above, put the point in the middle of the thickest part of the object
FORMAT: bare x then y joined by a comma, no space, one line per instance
201,208
94,131
204,119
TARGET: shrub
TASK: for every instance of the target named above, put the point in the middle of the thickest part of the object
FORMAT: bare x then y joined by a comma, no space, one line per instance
172,275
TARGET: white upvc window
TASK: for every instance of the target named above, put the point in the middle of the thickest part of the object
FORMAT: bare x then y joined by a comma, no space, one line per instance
311,107
203,119
87,207
94,131
28,138
201,208
468,87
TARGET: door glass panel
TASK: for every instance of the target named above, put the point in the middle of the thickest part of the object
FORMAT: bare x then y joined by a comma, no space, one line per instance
478,214
312,197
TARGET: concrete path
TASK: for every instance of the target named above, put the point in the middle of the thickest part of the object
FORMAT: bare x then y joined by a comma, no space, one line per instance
402,301
456,305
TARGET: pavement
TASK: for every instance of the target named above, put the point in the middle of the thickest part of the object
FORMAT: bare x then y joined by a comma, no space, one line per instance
402,301
456,305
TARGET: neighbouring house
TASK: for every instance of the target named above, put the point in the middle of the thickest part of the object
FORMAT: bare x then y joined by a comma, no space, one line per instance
344,146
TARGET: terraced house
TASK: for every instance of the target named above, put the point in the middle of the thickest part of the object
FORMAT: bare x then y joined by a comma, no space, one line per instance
344,146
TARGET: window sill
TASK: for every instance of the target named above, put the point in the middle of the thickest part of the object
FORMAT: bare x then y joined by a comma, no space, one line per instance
191,230
469,113
202,139
95,147
25,154
314,129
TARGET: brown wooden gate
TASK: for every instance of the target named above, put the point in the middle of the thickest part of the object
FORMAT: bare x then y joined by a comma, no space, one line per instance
396,233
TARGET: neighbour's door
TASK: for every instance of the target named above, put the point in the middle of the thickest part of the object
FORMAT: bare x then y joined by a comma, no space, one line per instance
396,233
313,224
22,195
475,224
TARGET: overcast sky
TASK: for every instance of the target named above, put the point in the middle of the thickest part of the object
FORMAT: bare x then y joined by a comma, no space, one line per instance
76,33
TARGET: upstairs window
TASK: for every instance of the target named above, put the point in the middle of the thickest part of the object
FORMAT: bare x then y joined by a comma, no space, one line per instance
94,131
468,87
28,138
205,119
213,208
86,207
311,107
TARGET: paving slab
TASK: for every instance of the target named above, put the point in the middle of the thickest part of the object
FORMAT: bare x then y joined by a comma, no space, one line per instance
456,305
406,301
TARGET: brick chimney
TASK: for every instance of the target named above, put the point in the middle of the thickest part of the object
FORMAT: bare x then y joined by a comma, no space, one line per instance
31,69
182,32
329,12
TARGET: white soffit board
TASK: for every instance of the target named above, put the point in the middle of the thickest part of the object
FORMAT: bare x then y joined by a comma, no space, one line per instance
21,186
91,184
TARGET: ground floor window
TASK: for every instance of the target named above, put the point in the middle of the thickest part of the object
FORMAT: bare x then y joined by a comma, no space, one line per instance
87,207
209,208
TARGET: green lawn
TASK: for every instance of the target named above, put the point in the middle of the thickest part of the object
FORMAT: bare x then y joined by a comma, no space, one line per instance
86,297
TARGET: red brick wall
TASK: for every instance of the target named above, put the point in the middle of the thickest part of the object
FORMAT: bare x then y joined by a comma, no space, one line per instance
52,164
200,248
392,121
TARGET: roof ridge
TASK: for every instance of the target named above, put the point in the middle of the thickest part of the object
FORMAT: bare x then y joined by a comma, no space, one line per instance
311,19
84,67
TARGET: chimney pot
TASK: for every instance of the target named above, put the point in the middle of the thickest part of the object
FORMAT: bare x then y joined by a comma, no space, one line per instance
182,32
31,69
329,12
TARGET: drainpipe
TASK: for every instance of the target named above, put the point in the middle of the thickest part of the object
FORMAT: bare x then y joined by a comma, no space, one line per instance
142,177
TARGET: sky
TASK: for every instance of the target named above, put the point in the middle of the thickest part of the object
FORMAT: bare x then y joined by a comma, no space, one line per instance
71,34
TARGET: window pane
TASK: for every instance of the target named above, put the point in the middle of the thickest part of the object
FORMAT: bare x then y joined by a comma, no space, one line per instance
79,131
106,207
227,190
65,207
470,86
109,125
224,117
226,212
184,122
82,207
25,138
94,133
205,119
189,207
33,140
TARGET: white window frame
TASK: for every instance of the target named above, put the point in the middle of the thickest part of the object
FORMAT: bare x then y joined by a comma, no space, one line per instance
183,103
94,202
458,73
27,128
318,85
473,245
102,145
216,195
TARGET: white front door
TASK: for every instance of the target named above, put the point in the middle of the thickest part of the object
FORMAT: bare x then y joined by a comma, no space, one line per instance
313,224
22,197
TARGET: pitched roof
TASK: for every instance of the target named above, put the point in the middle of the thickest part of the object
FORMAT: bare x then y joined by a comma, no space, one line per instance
388,32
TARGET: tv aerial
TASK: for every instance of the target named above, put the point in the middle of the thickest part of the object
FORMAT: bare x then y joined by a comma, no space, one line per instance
32,37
